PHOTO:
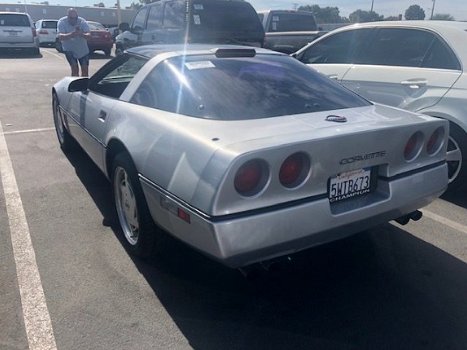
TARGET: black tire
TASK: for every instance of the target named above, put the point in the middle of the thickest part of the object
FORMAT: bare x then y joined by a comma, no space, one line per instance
140,233
119,50
66,141
457,157
107,52
58,46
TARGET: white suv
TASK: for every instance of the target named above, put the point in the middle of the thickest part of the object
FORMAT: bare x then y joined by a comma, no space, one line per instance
416,65
17,32
46,31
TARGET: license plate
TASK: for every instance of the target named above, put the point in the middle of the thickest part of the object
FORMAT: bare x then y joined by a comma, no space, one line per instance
349,184
13,33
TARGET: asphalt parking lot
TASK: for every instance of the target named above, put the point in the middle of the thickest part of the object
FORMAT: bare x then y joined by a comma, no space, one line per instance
392,287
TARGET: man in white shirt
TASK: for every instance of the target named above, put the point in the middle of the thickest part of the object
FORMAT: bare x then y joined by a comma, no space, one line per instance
73,32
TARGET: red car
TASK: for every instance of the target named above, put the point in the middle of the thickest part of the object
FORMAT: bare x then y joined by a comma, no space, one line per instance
101,39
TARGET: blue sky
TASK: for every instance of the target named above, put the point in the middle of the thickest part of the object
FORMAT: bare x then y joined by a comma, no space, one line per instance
456,8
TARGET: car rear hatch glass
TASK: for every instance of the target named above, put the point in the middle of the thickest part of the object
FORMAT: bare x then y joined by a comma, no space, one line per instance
15,28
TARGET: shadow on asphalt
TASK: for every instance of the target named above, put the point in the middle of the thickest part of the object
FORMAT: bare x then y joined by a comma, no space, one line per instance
380,289
458,197
16,54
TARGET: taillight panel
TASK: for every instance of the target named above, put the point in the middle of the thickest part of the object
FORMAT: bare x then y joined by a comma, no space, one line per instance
436,141
294,170
413,146
251,177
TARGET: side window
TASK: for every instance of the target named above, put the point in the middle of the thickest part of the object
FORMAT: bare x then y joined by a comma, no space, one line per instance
114,80
150,92
140,19
174,14
155,16
398,47
338,48
441,56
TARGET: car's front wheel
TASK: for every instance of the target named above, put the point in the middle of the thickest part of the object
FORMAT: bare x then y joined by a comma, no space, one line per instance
67,143
139,230
457,157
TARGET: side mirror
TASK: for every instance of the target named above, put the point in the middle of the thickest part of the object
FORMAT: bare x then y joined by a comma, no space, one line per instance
78,85
124,27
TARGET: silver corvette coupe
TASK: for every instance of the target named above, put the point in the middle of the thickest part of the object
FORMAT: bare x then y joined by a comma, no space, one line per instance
246,154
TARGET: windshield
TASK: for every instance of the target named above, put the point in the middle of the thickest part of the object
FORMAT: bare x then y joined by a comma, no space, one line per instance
242,88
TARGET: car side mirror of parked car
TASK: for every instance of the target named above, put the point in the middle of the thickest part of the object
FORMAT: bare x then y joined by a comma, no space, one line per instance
124,27
78,85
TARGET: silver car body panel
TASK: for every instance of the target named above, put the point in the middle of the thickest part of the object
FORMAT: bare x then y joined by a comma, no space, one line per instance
190,163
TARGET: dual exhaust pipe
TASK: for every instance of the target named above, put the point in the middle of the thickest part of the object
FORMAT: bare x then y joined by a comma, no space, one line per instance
415,216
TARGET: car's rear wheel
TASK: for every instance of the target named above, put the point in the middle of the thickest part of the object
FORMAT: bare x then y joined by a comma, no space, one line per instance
119,50
140,232
457,157
58,45
67,143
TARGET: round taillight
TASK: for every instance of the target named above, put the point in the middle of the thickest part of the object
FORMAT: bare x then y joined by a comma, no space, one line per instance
294,170
251,177
413,146
435,141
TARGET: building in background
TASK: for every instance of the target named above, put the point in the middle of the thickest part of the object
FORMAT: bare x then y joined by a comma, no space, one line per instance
105,15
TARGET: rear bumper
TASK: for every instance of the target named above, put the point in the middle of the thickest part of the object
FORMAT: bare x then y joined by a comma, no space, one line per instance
27,45
242,240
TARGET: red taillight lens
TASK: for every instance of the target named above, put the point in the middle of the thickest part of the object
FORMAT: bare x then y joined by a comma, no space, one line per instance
435,141
34,33
294,170
413,146
250,178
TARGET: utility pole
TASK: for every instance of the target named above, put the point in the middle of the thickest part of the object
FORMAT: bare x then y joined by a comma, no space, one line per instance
372,3
119,14
433,9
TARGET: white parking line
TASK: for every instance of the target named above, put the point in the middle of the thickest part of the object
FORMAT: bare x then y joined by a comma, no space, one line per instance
27,131
36,315
54,54
442,220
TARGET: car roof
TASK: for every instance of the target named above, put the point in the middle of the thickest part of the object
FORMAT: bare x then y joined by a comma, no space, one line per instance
150,51
453,32
13,13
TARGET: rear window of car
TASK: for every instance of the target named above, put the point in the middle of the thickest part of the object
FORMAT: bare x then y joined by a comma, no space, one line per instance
49,24
221,16
96,26
290,22
14,20
241,88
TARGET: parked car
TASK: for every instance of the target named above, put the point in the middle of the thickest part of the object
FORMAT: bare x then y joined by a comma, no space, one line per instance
288,30
46,31
416,65
245,154
100,39
192,21
17,32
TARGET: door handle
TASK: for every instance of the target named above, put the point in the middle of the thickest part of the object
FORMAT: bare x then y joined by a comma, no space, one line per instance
102,115
415,83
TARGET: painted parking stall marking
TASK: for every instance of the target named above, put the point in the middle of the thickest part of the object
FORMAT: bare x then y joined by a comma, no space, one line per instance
36,315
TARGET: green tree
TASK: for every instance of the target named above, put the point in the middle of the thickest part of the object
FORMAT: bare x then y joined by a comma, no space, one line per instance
414,12
323,14
443,17
360,16
393,18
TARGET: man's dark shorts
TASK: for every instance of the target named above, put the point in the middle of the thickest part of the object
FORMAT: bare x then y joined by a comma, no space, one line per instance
83,61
